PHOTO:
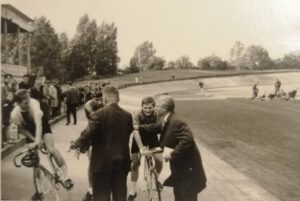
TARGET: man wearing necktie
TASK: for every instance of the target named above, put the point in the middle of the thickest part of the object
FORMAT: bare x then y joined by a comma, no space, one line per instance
187,172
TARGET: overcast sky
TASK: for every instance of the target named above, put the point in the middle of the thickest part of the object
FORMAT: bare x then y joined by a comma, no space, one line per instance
196,28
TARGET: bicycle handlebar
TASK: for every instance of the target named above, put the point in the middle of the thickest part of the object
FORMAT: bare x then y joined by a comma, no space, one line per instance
152,151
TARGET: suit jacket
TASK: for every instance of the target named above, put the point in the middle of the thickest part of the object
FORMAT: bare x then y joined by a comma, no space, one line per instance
72,96
109,131
187,172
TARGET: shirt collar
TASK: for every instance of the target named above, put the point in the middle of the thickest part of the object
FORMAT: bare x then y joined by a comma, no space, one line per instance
167,116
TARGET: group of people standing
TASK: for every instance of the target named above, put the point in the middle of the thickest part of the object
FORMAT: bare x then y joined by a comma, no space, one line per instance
279,93
107,137
49,95
53,99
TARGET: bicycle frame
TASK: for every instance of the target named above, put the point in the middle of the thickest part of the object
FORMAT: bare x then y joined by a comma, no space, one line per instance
150,176
45,184
53,166
41,174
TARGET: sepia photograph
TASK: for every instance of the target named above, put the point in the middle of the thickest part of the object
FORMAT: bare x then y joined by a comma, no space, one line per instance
150,100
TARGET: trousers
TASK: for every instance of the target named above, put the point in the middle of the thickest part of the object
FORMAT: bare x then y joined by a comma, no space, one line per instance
71,108
112,184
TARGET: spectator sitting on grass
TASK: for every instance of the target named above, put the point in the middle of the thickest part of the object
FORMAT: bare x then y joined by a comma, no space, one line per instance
291,95
271,96
263,97
281,94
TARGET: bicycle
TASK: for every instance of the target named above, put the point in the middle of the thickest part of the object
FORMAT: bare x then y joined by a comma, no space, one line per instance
46,182
153,186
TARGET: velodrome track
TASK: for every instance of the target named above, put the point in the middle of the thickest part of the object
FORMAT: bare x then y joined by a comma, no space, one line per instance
225,182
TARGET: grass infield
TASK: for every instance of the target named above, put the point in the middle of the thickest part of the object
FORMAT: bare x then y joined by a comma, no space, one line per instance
259,138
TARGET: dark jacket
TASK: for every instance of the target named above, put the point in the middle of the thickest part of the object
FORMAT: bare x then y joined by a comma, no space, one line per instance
36,94
59,93
72,96
23,85
187,172
109,130
7,107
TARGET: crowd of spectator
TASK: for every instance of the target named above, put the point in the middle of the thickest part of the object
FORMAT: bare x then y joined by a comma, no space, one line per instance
52,96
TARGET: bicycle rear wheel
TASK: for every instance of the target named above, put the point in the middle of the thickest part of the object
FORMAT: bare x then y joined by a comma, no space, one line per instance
153,187
45,184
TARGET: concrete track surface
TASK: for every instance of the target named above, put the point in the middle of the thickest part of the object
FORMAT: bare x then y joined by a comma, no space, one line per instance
224,182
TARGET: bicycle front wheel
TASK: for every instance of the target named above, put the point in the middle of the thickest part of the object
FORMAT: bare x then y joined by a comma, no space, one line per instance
153,187
45,184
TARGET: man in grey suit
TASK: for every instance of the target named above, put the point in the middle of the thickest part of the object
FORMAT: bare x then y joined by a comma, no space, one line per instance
109,130
187,172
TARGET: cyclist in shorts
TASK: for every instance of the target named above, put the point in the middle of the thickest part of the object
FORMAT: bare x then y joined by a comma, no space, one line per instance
144,137
31,122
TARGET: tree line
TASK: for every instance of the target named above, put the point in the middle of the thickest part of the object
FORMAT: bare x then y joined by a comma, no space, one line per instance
253,57
93,52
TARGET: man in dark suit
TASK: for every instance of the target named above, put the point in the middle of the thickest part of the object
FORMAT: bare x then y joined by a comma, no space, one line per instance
72,97
187,172
109,130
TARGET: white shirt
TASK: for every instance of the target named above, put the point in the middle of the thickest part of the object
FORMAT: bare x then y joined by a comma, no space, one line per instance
166,117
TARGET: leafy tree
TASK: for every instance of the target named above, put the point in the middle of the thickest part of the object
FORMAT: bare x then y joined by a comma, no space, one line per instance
45,47
63,74
82,55
133,66
75,62
93,49
107,58
255,58
236,53
212,62
170,65
156,63
143,54
291,60
184,63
